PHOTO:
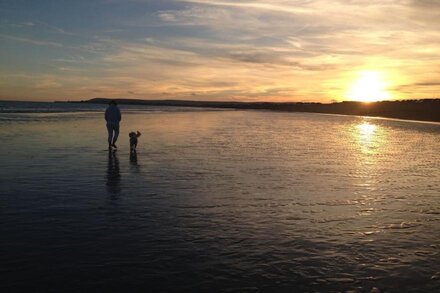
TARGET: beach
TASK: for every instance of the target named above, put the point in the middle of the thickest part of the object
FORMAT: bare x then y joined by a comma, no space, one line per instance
218,201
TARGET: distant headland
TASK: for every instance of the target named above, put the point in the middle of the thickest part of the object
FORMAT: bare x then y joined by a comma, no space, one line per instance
424,110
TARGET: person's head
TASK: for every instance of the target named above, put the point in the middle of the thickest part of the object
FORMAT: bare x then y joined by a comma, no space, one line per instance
113,102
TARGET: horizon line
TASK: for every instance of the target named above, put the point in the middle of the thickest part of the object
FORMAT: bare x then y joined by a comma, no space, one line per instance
218,101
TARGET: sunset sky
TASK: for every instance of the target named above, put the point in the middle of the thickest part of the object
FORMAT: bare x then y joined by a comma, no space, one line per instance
266,50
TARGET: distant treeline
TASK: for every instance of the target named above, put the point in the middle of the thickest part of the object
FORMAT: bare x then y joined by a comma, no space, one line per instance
426,109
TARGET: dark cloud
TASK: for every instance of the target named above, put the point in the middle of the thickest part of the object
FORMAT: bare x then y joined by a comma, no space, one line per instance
407,87
436,84
426,12
276,59
426,4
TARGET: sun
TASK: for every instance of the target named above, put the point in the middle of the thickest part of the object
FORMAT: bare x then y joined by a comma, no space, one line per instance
370,86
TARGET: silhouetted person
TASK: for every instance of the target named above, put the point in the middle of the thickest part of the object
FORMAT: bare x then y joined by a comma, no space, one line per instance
113,176
113,117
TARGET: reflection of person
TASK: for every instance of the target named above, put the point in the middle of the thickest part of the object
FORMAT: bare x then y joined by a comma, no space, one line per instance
113,117
113,176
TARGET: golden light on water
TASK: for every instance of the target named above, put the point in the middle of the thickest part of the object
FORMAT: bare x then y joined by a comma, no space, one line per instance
370,139
370,86
367,137
366,130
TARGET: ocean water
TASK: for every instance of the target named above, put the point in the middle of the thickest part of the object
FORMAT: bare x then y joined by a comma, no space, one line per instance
217,201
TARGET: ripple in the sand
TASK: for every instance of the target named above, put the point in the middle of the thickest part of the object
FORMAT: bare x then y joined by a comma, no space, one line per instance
341,280
425,253
402,225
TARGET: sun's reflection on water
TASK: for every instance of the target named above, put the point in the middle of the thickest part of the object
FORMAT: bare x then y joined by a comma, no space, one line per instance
366,129
369,141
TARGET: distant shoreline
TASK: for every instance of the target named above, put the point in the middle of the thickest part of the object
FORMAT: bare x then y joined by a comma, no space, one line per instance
422,110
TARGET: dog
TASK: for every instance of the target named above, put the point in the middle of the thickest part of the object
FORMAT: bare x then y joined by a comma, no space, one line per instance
134,140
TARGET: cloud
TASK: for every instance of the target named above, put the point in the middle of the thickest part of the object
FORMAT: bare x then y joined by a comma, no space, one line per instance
52,28
47,82
31,41
24,24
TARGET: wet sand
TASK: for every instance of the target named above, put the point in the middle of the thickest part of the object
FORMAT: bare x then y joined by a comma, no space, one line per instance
219,201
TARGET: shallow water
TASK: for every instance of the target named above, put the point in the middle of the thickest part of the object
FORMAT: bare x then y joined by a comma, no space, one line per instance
219,201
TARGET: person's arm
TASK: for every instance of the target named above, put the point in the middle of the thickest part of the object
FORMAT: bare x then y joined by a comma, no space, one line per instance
119,115
106,115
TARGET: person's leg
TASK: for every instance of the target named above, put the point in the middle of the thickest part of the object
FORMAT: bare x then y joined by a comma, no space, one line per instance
115,137
110,134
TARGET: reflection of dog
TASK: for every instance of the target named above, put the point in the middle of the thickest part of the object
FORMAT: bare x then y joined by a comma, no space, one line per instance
133,158
134,140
